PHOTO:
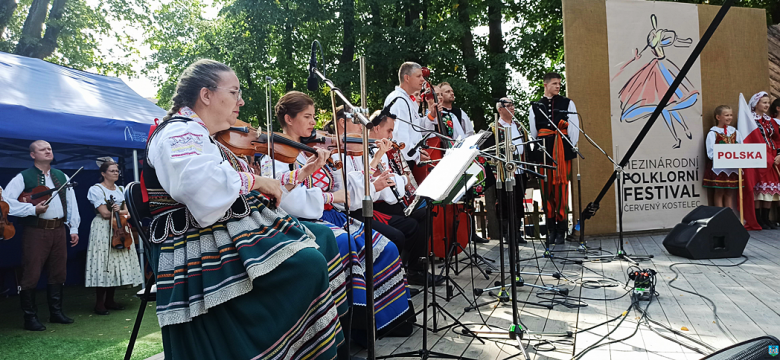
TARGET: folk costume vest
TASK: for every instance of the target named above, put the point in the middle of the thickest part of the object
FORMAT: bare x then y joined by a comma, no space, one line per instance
547,131
34,177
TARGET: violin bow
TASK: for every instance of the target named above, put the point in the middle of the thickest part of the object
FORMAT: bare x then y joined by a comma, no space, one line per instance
56,192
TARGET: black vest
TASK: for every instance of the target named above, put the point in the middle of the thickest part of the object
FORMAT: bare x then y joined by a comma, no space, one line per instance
541,116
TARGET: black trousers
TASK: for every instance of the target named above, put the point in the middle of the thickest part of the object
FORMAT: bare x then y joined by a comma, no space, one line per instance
397,228
413,228
518,192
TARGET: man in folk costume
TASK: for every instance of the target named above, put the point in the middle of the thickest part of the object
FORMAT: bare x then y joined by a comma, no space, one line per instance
44,234
760,128
407,110
555,190
447,97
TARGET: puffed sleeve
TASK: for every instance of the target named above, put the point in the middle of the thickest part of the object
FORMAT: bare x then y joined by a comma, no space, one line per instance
574,131
191,169
532,122
710,143
74,219
302,202
96,196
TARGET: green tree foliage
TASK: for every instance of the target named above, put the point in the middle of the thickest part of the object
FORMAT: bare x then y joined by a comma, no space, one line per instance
69,32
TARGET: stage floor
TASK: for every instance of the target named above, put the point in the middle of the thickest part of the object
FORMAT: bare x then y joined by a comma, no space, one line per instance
746,297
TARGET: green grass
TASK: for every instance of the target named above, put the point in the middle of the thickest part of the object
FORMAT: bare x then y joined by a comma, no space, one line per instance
91,337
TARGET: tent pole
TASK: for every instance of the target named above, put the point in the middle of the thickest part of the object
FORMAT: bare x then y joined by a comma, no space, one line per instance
135,165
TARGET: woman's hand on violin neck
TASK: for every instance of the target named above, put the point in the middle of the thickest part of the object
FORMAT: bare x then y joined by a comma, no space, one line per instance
383,181
270,187
315,162
116,208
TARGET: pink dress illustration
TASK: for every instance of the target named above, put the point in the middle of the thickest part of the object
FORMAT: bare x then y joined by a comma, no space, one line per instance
642,93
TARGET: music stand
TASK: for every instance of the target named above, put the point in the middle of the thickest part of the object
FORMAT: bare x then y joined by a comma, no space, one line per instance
439,187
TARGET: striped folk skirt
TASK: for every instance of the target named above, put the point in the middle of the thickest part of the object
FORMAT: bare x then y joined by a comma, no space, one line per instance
392,305
256,286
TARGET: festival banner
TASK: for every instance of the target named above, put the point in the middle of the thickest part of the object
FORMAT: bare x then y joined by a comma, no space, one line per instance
648,44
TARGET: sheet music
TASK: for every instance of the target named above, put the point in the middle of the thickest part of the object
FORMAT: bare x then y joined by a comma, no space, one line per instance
443,178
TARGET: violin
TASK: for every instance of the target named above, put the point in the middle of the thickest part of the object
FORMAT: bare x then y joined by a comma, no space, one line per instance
247,141
121,235
41,193
7,229
353,143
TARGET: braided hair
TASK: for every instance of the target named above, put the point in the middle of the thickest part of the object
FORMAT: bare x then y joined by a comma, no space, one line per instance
204,73
292,103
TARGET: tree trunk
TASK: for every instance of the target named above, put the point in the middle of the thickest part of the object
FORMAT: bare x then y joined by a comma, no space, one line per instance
348,50
496,53
470,61
32,29
53,27
288,48
7,8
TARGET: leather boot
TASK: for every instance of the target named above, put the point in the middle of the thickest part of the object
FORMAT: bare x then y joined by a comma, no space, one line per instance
760,218
561,232
27,299
551,231
54,294
769,223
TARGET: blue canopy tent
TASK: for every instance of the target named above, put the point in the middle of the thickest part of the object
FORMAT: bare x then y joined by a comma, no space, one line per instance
84,116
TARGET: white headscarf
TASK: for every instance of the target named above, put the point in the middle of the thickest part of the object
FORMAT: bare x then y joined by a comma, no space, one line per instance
754,101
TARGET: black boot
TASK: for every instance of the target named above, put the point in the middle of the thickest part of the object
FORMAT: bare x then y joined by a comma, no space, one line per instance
552,231
760,218
562,230
768,222
27,298
54,293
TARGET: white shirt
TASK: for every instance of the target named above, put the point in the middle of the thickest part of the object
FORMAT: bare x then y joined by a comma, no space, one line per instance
407,110
354,166
98,194
573,131
457,130
16,187
710,142
465,123
301,202
191,170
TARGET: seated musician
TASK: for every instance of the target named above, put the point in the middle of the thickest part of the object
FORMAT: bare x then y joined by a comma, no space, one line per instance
401,230
237,278
313,195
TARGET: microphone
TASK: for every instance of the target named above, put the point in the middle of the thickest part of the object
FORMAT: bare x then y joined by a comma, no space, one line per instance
538,103
375,120
413,150
565,111
312,83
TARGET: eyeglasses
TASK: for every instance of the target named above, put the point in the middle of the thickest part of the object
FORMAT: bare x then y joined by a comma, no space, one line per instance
509,105
114,171
236,93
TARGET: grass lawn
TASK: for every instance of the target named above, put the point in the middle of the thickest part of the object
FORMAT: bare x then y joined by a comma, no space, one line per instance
91,336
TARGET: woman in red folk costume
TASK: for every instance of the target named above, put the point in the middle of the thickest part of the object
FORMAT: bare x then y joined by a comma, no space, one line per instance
758,128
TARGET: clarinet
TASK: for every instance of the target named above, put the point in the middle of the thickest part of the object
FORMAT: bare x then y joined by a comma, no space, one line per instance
392,187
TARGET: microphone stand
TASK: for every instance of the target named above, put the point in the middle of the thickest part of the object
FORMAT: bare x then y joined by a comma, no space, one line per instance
368,205
268,82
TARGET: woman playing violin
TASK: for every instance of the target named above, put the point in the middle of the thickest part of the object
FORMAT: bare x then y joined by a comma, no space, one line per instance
108,267
226,261
313,195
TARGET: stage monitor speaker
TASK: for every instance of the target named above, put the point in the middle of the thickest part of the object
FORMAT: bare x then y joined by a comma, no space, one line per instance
708,232
764,347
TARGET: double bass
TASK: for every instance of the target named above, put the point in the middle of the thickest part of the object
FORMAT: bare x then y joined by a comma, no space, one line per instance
7,229
121,235
450,225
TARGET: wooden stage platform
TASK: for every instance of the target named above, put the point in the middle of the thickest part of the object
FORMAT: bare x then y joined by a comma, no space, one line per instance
747,299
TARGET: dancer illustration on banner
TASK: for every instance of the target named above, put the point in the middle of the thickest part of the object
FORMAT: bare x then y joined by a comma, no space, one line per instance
644,90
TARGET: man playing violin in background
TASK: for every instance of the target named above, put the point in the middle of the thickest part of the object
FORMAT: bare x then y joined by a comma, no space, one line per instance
44,234
407,110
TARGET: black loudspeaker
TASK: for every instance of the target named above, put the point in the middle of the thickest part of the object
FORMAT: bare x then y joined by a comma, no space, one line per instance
708,232
765,347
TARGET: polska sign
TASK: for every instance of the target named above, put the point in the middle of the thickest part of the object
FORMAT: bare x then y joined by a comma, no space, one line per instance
732,156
